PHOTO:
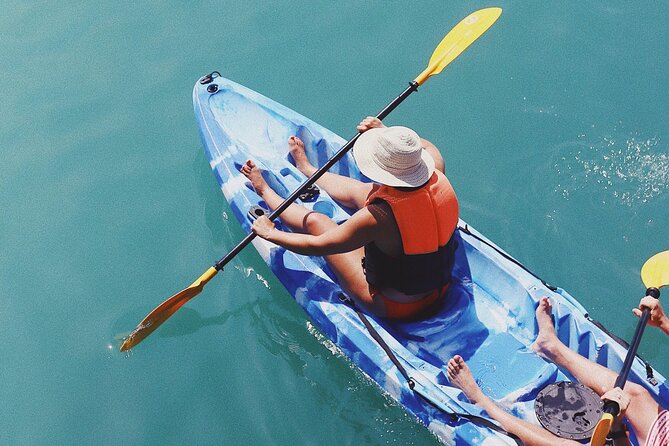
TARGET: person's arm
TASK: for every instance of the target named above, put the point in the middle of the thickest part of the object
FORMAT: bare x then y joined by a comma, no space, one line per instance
657,316
346,191
434,152
618,429
352,234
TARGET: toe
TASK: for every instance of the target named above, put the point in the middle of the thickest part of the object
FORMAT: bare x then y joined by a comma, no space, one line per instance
451,367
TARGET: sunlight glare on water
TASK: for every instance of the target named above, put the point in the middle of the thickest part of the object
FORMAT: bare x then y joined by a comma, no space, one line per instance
627,170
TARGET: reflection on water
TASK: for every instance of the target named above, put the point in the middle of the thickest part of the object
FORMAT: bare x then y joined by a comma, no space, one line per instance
184,322
187,321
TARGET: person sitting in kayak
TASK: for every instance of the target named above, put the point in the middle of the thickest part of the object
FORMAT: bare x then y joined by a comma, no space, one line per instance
647,418
395,254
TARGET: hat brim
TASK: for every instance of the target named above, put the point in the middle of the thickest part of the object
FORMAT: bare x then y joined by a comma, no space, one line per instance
363,155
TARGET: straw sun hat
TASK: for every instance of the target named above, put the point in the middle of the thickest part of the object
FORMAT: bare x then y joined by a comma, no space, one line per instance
393,156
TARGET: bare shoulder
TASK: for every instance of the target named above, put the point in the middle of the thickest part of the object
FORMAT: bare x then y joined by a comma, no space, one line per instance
377,217
381,212
376,220
436,155
387,234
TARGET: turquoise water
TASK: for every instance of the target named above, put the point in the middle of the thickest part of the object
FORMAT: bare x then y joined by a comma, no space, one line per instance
555,130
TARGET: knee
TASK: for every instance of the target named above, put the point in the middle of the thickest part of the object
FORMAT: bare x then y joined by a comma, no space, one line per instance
316,223
636,391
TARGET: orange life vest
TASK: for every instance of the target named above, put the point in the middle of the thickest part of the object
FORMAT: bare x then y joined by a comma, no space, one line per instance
426,218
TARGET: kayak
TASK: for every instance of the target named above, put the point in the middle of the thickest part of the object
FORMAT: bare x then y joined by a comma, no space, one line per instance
488,316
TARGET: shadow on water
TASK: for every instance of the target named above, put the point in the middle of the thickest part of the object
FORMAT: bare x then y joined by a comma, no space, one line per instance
279,330
184,322
188,321
216,208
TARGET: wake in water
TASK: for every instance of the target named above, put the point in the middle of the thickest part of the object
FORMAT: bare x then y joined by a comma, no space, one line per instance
247,271
629,170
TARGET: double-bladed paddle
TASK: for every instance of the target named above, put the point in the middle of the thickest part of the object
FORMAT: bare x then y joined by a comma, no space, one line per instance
455,42
655,275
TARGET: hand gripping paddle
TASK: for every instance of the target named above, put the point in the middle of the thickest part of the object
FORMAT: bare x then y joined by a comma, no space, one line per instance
655,275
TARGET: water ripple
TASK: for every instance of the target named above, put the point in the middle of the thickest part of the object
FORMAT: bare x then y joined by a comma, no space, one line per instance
628,170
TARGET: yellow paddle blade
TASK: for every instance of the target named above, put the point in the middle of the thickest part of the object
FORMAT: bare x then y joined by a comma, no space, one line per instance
601,430
166,309
458,40
655,272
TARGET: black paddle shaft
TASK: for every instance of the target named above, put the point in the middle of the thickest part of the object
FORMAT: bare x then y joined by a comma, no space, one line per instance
611,406
413,86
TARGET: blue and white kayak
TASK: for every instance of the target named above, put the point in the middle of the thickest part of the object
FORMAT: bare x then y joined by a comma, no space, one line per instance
488,317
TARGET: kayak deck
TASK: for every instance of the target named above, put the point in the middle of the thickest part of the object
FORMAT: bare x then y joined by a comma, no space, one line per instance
488,317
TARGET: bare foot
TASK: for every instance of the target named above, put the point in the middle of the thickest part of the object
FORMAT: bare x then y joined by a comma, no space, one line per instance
461,377
296,149
254,174
547,339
